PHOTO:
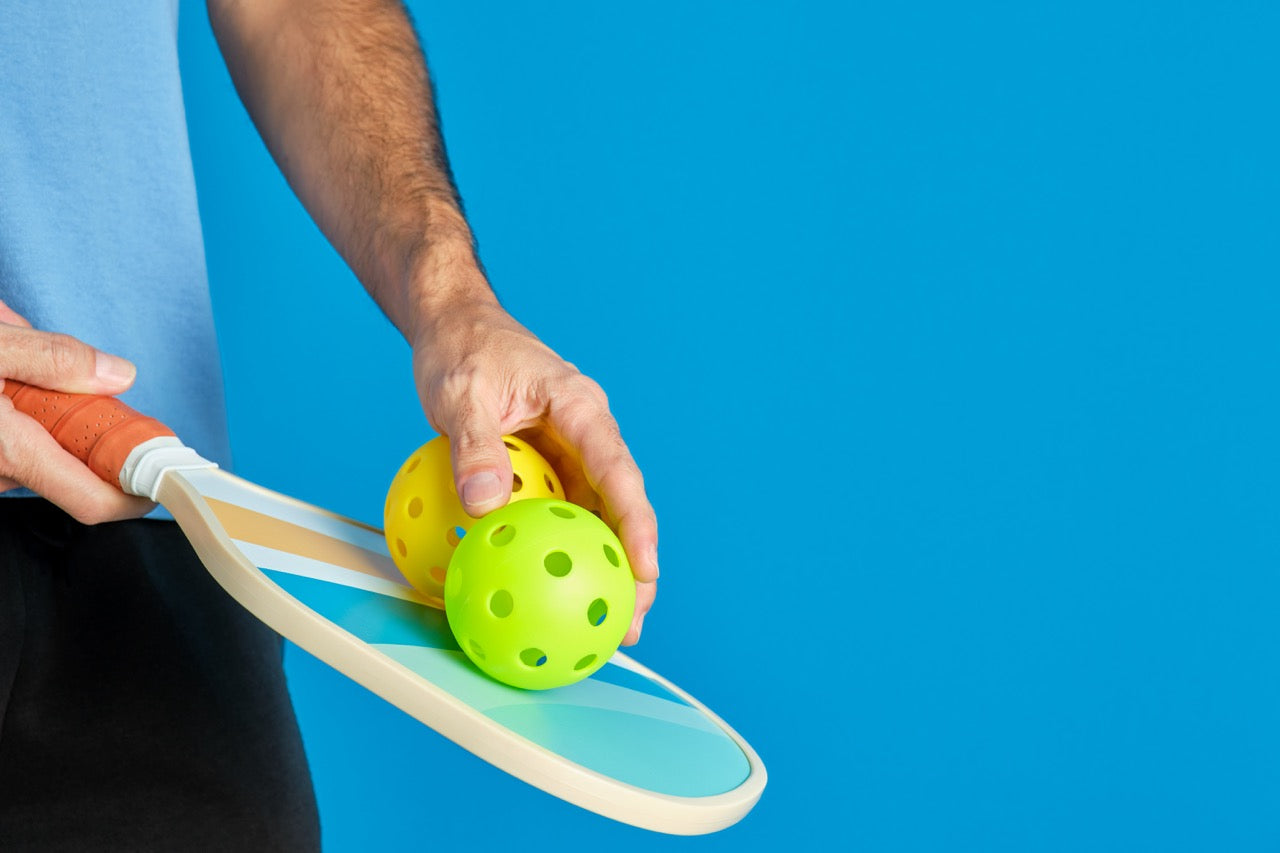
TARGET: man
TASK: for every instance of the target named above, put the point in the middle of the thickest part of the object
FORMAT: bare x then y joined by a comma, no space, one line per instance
139,707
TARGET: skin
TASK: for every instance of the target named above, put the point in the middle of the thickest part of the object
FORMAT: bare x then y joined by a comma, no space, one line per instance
28,455
340,93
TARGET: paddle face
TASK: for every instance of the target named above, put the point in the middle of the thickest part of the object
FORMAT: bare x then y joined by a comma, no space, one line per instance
624,743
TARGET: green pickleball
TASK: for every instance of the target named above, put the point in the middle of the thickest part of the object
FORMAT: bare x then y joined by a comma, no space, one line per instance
539,593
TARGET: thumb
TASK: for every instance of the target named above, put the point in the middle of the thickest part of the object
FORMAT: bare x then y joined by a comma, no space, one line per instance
61,363
481,464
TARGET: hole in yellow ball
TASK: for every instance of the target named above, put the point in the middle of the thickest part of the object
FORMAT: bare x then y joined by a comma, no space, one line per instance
533,657
611,555
516,483
511,446
400,546
437,574
475,649
557,564
454,535
415,507
546,478
501,604
413,463
597,612
584,663
502,535
561,511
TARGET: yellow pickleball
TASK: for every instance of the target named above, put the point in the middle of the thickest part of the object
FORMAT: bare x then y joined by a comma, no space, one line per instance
423,518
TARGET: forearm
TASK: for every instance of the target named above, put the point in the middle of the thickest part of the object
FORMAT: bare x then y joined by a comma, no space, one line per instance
340,93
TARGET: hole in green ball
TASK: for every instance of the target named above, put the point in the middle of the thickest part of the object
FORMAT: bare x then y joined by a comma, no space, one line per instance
598,610
611,555
563,512
516,483
558,564
476,649
501,604
584,663
502,535
415,507
533,657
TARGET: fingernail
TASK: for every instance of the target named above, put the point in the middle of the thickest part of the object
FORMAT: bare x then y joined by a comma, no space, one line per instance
113,370
481,489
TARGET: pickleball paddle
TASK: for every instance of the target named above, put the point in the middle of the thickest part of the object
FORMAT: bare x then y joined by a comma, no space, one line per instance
624,743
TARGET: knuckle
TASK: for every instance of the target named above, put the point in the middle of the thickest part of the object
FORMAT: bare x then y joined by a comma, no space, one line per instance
623,480
458,383
102,504
456,397
446,395
64,354
638,529
108,504
588,407
91,513
473,451
472,431
8,460
577,420
12,448
574,389
592,391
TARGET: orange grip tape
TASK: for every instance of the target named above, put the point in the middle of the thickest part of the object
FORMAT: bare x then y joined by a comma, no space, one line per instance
99,431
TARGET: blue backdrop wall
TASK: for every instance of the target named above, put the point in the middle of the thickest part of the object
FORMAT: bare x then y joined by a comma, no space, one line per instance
946,337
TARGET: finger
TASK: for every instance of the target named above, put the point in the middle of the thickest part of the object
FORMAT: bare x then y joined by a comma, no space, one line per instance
481,464
29,456
566,464
61,363
645,594
586,424
13,318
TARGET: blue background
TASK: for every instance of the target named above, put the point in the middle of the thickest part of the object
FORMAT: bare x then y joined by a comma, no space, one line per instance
946,337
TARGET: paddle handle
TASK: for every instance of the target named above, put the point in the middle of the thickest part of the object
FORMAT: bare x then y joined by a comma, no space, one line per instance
99,431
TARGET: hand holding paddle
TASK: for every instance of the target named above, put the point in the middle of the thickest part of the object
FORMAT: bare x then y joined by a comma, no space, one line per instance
29,456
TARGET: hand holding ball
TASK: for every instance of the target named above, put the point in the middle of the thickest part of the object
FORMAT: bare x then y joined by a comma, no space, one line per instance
538,594
424,519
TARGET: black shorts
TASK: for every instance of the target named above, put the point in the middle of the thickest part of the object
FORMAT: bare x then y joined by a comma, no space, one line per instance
141,708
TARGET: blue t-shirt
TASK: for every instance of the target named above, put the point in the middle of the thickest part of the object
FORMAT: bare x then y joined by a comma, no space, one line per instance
99,230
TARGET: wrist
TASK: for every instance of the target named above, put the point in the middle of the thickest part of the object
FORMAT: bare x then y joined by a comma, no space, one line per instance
433,273
446,286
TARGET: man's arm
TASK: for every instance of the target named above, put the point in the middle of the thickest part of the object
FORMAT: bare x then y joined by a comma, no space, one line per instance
339,91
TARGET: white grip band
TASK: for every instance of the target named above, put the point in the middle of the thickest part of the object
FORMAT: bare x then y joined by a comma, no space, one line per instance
148,462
